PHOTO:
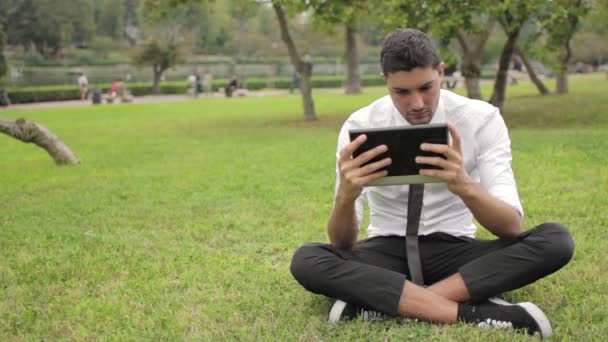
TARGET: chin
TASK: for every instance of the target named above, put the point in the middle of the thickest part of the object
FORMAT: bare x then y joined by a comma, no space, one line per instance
417,120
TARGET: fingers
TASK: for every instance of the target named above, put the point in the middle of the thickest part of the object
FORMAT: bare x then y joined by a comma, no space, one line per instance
446,150
363,158
455,138
353,175
348,151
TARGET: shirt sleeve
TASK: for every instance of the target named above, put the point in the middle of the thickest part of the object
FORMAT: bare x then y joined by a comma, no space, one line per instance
343,140
494,161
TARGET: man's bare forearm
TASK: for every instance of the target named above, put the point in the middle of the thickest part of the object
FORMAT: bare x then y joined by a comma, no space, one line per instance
498,217
342,226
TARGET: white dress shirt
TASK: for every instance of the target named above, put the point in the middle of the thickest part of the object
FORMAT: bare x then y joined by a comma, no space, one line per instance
486,150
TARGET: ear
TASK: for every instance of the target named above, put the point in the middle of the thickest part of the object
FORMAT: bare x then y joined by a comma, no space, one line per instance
441,69
383,76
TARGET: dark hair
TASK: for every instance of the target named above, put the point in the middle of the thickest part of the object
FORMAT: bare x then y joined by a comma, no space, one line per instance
405,49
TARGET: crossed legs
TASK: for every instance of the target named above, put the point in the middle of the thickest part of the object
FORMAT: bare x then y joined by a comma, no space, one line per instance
374,274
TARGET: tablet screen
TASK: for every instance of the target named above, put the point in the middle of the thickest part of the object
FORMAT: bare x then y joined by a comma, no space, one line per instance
403,144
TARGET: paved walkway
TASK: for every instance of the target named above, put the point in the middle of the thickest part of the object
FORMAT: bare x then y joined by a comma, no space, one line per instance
139,99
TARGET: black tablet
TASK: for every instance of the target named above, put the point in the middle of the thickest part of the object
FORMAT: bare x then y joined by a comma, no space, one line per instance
403,144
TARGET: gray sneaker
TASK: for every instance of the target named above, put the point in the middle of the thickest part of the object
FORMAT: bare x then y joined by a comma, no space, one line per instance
343,311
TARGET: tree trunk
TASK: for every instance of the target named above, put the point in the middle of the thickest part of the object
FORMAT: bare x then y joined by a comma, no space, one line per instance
471,58
306,87
5,101
561,86
500,84
473,88
353,81
157,75
31,132
532,74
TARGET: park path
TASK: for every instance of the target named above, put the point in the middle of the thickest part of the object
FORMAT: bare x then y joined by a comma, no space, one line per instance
152,99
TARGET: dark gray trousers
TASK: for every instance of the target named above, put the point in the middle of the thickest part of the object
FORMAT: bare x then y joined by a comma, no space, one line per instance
373,273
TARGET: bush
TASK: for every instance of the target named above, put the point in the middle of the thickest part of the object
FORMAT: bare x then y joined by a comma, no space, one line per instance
33,58
71,92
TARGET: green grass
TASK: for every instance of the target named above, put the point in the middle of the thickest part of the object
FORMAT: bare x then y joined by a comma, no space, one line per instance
181,222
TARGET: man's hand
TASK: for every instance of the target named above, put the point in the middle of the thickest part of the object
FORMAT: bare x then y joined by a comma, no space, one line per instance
353,176
342,224
454,173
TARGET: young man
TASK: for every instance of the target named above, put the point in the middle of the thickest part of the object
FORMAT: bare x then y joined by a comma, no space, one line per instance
460,272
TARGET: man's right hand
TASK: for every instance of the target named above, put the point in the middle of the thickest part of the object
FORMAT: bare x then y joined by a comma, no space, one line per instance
354,176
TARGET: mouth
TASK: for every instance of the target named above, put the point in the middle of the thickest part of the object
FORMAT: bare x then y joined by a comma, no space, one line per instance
419,115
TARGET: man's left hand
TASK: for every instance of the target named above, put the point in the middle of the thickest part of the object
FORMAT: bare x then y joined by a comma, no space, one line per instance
453,171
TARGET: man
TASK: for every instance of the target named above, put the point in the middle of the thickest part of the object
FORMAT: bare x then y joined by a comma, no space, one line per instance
83,83
371,276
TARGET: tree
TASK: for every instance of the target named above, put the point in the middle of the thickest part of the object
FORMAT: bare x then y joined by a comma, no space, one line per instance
166,39
542,89
347,14
161,50
593,29
472,43
561,25
131,22
306,87
512,15
50,25
241,11
110,16
3,65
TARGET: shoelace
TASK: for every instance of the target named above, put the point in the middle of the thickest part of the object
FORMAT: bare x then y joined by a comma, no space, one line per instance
370,315
492,323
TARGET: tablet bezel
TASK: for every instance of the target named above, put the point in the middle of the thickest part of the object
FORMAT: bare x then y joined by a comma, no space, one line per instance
433,133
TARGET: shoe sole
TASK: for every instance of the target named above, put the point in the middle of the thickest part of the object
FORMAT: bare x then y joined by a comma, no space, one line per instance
500,301
537,314
336,311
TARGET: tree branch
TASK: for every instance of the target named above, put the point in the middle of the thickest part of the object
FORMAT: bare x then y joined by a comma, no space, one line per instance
31,132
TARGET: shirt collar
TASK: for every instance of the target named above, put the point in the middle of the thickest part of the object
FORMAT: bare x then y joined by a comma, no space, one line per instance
439,116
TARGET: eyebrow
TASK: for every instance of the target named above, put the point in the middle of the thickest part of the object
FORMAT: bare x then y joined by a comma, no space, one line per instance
422,86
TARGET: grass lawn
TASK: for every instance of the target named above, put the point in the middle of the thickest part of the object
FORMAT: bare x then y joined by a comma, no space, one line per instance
182,220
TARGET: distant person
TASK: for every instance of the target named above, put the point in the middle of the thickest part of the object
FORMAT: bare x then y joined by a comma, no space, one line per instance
192,85
297,77
207,83
83,83
199,81
232,86
119,89
451,75
295,81
308,64
116,86
518,65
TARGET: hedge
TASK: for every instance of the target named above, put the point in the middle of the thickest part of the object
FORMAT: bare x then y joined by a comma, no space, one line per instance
70,92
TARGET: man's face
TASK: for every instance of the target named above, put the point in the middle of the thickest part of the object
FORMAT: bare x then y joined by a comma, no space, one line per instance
415,93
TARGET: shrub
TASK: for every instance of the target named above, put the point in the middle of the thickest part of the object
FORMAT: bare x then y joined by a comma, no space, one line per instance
33,58
72,92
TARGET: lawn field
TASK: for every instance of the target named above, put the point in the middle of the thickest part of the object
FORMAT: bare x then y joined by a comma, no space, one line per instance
182,220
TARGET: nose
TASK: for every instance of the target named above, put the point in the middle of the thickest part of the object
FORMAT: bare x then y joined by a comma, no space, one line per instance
416,102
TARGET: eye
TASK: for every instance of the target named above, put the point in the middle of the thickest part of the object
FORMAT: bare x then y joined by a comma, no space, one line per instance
401,91
425,89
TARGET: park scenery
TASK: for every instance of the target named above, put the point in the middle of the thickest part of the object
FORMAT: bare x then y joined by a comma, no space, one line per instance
165,201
